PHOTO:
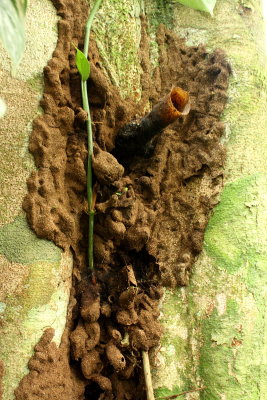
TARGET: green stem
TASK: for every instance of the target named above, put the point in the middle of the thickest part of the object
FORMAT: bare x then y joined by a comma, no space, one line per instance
90,140
90,241
89,175
89,25
90,145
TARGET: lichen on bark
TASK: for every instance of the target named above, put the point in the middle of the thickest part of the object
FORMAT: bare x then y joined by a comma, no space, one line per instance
26,262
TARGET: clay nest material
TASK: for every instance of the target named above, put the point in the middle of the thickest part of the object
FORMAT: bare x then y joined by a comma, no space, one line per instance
151,212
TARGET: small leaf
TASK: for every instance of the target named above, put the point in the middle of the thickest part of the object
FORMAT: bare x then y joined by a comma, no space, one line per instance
201,5
82,64
24,5
2,108
12,33
21,6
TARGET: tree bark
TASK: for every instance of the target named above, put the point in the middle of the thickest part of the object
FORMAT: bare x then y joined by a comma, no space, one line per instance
215,328
35,274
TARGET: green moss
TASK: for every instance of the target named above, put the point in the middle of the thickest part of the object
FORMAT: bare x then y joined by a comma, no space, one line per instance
39,288
176,370
232,308
37,292
257,277
228,376
164,391
119,48
215,352
36,83
159,12
231,237
18,243
232,340
223,317
214,377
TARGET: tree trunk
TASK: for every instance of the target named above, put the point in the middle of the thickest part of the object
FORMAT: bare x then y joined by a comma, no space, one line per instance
215,327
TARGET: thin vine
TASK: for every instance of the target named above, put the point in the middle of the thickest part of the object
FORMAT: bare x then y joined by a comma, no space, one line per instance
83,66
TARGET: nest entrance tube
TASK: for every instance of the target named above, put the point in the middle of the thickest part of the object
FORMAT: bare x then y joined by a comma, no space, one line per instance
180,100
168,109
133,137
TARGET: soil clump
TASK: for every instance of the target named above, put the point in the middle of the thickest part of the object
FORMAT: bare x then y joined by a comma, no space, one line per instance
151,211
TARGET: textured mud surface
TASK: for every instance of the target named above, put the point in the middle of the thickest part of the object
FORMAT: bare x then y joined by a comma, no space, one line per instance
152,208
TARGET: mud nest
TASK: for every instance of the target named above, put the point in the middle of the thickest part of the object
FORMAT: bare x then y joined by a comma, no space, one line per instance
152,207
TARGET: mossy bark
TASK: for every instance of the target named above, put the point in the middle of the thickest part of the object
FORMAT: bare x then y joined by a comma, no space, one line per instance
35,274
215,328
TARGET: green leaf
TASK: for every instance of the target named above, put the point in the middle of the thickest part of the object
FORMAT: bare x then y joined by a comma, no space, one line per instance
201,5
25,5
21,6
12,33
82,64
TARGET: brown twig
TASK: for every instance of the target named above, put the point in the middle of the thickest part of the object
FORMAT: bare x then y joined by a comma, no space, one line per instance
147,373
173,396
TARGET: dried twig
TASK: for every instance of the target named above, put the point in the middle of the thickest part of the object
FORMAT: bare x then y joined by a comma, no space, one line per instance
147,373
173,396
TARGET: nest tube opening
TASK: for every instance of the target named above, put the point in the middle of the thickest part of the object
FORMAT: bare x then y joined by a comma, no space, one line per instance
180,100
133,137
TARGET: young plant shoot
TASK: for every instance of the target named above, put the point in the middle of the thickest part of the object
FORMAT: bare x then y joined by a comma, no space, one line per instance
83,66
